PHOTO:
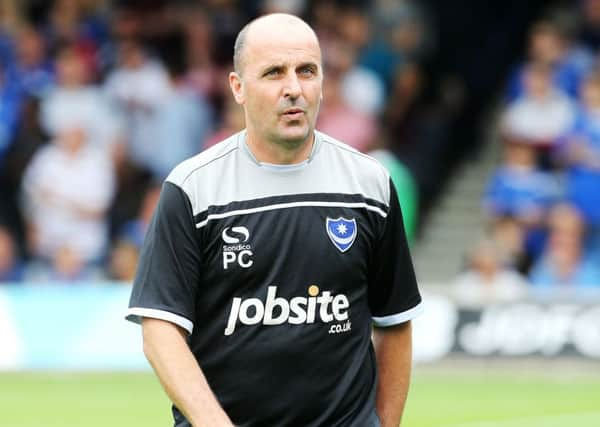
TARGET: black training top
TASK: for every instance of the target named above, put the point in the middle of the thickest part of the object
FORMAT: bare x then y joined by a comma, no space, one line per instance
278,273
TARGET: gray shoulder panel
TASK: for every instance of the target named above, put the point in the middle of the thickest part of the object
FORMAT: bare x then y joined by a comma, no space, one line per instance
226,173
372,174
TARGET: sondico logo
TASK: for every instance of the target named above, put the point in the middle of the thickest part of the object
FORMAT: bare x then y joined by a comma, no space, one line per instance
297,311
236,249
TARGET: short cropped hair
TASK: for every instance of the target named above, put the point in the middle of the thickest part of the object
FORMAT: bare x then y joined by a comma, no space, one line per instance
238,49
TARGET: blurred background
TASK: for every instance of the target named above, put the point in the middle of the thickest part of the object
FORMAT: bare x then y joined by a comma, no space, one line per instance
486,114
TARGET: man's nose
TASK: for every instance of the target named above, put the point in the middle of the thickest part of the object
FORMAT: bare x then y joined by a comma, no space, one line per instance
292,88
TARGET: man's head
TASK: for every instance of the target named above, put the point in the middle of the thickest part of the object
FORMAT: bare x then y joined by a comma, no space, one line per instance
278,79
565,242
70,68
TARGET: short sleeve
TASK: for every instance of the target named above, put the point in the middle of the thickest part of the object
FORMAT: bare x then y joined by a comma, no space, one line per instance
167,276
394,296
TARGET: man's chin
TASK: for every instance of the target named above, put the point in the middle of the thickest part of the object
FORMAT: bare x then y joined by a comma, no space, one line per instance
300,133
294,139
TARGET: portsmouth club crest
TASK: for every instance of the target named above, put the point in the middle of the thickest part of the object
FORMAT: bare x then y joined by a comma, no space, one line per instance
342,232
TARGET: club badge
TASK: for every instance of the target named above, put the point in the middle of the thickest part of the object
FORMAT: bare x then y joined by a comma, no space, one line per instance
342,232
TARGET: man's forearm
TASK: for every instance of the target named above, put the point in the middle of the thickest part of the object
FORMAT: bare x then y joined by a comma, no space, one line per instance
393,349
181,377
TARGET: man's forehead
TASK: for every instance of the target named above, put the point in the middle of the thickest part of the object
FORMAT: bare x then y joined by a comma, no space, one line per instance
275,53
283,38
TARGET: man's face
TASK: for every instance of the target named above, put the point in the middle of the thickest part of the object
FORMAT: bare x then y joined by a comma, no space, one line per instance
280,85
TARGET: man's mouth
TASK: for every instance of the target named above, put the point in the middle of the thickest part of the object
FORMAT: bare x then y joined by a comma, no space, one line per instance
293,113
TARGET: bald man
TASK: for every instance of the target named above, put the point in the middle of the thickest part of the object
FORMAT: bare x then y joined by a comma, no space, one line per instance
270,258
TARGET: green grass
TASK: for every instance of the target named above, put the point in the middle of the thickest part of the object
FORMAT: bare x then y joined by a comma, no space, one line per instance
436,400
500,400
82,400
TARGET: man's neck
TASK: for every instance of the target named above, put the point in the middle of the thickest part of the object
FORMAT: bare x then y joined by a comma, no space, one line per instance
280,154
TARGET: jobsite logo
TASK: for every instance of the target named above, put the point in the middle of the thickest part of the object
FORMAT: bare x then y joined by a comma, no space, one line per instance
317,306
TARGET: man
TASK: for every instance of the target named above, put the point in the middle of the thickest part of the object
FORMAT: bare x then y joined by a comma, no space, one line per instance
269,257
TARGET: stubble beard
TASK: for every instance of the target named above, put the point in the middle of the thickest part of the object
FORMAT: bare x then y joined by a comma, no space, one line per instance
290,143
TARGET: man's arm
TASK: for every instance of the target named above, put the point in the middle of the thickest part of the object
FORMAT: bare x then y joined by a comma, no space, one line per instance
167,351
393,349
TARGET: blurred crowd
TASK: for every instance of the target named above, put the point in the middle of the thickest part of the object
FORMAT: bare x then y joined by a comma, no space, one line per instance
543,200
100,99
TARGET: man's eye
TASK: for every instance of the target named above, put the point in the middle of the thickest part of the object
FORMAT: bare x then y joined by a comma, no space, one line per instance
307,71
273,72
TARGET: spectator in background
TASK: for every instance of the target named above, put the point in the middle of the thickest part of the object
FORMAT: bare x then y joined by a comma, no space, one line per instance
67,189
518,188
521,193
139,86
232,122
354,24
79,25
325,19
28,137
10,110
134,231
565,261
364,90
581,156
416,129
66,265
338,117
33,70
183,120
400,36
542,114
550,45
202,73
510,236
74,96
124,254
489,278
11,265
361,87
123,261
402,117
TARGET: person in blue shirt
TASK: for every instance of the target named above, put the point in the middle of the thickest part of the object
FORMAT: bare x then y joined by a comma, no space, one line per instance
518,188
565,261
10,107
580,152
522,193
33,70
549,44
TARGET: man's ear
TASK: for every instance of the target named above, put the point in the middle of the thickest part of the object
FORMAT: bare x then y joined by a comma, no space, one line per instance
237,88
